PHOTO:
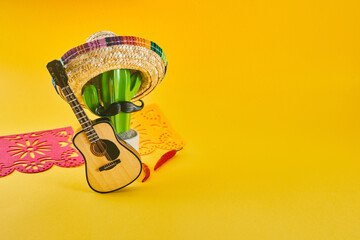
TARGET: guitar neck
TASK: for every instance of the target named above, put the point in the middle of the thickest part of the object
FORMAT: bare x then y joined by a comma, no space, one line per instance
80,114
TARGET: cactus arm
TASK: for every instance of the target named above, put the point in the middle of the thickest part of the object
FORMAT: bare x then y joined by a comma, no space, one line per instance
106,90
90,97
122,93
122,84
135,84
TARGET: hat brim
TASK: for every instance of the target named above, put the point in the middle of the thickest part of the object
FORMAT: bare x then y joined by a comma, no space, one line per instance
96,57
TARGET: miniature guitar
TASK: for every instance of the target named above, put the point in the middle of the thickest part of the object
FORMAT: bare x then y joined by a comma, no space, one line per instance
110,163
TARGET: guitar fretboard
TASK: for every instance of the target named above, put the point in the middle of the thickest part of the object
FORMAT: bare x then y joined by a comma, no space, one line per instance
80,114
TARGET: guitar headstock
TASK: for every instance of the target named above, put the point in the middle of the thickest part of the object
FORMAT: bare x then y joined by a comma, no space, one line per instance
58,73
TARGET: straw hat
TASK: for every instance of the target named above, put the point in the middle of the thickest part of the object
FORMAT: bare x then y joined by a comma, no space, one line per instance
104,51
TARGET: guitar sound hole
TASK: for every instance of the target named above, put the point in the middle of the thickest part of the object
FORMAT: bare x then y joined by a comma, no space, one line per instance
98,148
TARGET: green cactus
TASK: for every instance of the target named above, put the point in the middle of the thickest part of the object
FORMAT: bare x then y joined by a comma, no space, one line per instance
115,85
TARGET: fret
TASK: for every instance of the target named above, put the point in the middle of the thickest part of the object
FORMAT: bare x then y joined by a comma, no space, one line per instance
75,99
78,109
75,107
91,129
85,121
91,134
87,131
78,116
87,127
68,94
71,99
93,139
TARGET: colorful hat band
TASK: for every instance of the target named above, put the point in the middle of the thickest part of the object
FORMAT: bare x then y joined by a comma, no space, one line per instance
113,41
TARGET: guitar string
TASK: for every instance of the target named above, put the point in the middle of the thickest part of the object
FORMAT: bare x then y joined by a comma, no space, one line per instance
98,141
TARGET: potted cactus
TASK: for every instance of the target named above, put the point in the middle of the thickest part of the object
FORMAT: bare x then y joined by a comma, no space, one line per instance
108,71
110,87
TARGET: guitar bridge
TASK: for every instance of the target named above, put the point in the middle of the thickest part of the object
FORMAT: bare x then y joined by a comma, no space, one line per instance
109,165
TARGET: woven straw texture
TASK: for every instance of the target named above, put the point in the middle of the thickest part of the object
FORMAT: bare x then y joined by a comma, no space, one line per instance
105,51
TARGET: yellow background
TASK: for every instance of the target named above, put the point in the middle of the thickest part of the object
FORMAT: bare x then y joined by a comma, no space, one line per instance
264,93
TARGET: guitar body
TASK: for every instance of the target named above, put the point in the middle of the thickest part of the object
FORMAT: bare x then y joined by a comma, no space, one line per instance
118,175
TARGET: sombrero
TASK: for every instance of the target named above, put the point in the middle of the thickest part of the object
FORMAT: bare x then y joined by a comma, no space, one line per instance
105,51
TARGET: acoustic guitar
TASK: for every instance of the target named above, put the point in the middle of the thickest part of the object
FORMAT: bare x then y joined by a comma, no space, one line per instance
110,163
